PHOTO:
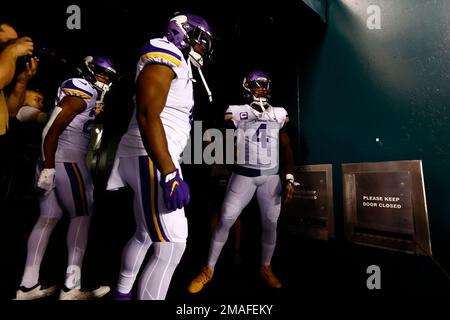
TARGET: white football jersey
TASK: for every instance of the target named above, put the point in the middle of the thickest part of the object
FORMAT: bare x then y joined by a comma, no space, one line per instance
176,116
74,140
257,136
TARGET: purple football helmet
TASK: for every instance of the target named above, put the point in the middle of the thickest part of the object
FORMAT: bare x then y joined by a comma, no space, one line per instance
99,70
191,33
257,85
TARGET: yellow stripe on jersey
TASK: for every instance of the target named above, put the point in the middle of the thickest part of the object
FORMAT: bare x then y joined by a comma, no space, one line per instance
228,116
80,187
76,93
161,56
153,200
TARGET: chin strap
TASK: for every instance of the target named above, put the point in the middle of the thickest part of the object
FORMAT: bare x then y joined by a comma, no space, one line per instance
261,102
104,88
206,85
190,74
191,77
265,111
102,96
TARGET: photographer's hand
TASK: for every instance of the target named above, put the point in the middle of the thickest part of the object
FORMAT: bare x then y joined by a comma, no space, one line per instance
21,47
29,72
16,97
8,57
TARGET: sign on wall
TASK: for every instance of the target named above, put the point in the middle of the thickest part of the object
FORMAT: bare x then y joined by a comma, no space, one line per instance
385,205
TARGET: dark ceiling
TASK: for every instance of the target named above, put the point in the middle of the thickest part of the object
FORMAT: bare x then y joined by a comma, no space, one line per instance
276,37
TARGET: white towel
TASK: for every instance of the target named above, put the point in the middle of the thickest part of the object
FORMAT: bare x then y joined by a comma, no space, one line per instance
115,181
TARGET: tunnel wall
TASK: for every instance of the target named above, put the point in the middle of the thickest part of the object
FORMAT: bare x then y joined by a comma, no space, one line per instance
369,95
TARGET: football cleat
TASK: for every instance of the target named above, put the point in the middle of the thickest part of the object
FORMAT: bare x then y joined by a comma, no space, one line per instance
269,278
78,294
36,292
199,282
119,296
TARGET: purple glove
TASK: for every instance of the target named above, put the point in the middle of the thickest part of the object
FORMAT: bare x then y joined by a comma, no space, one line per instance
175,190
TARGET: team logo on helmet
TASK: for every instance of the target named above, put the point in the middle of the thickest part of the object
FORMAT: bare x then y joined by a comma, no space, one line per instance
191,33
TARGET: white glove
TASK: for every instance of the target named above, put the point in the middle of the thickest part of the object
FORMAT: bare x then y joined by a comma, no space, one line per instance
46,180
290,179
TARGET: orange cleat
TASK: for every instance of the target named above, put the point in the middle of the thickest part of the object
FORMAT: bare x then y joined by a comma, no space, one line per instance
269,278
203,278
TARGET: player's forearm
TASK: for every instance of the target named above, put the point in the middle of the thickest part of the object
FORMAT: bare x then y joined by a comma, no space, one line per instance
286,154
287,160
155,142
50,146
16,98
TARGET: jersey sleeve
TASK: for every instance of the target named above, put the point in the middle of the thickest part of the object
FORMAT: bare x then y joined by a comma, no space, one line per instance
77,88
230,115
282,116
161,51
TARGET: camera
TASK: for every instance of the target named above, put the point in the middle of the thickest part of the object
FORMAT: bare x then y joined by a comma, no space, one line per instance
21,63
39,53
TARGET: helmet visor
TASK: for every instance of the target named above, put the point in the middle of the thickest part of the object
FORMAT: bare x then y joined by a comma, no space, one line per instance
201,42
260,84
103,75
260,88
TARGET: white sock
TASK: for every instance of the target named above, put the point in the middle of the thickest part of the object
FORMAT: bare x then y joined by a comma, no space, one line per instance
73,277
30,277
267,253
77,237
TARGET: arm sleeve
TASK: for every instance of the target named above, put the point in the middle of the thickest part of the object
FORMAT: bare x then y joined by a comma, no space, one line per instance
78,88
161,51
229,115
284,117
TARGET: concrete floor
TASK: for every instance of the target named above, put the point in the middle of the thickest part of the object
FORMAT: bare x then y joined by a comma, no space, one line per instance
311,269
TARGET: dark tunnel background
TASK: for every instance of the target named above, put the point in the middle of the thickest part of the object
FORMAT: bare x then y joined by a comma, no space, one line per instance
284,38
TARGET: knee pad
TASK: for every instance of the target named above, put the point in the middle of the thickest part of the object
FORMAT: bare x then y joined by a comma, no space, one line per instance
229,211
44,222
142,237
85,220
269,224
170,252
272,218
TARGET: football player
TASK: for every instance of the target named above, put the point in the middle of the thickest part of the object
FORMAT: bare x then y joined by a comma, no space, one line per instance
149,153
261,141
65,180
